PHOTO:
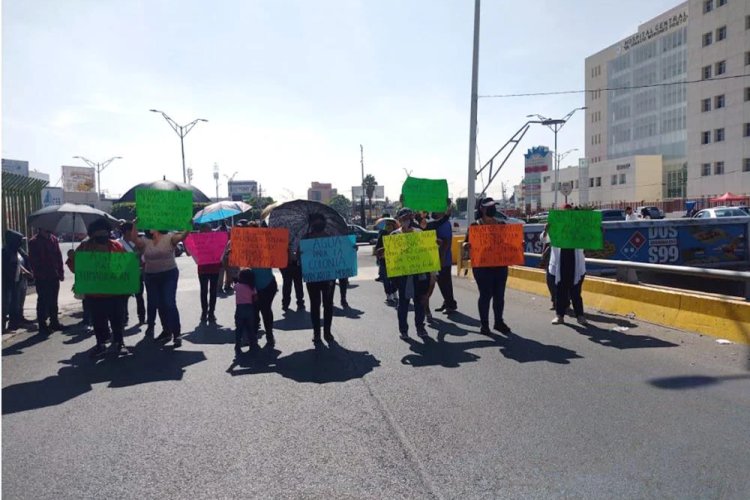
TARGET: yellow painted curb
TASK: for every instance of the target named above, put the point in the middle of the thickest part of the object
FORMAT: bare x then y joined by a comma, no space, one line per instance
719,317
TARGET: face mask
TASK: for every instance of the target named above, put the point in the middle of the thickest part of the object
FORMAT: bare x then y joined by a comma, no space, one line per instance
100,240
490,211
318,226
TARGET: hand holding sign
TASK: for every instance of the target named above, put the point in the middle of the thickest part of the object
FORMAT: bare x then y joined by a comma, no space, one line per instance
430,195
259,247
494,245
164,210
576,229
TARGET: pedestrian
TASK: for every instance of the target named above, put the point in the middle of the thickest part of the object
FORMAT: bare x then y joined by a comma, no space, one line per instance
245,314
46,262
265,284
544,264
160,276
208,277
391,297
106,310
491,281
14,275
568,266
442,226
86,322
629,215
140,306
292,275
411,287
320,292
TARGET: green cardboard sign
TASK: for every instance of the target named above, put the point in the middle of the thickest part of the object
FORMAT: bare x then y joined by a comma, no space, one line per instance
430,195
576,229
164,210
110,273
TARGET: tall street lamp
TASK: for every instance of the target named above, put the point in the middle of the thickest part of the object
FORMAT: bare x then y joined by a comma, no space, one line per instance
182,131
98,167
555,125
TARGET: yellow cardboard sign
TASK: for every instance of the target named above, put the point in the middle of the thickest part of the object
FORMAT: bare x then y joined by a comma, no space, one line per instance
411,253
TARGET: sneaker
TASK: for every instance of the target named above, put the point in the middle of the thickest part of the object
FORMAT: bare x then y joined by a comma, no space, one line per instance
177,341
422,333
97,352
211,318
328,336
582,320
559,320
119,349
450,310
485,330
501,327
56,326
440,309
404,335
428,315
163,337
300,306
270,342
344,304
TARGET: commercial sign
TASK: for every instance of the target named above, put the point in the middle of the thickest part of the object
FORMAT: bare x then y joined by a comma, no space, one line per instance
243,187
537,168
655,30
378,194
78,179
18,167
52,196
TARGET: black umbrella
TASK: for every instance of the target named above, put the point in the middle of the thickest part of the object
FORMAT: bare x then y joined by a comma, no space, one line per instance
67,217
295,216
165,185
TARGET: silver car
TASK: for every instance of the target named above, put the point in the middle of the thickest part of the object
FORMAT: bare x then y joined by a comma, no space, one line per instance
712,213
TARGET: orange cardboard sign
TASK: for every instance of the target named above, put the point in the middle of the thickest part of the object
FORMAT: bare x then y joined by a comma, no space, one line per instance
259,247
495,245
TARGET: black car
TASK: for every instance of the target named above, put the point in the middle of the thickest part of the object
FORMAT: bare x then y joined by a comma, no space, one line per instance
363,235
612,214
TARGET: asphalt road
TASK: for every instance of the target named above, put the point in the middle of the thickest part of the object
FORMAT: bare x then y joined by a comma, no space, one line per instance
549,411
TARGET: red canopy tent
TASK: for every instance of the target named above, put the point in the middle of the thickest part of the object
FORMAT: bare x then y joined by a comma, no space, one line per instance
729,197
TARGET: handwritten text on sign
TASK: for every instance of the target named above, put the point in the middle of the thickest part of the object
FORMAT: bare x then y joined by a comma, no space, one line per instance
576,229
111,273
411,253
259,247
326,259
430,195
164,210
494,245
207,248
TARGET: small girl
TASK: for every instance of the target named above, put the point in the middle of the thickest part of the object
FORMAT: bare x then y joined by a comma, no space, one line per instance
245,316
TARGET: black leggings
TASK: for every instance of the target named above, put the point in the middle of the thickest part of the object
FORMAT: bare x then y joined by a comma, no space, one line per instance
265,306
321,292
209,284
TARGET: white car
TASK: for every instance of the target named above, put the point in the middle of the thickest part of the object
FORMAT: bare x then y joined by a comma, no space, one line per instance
712,213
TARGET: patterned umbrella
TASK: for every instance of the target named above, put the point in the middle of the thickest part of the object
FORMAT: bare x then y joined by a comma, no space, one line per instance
294,215
220,211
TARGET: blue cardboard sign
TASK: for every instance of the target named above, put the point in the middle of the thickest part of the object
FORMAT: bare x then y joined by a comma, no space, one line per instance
329,258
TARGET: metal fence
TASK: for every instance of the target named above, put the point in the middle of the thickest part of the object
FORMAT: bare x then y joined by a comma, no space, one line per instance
20,197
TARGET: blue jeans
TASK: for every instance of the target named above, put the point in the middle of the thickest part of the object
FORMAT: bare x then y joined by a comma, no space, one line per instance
420,289
162,288
388,286
491,283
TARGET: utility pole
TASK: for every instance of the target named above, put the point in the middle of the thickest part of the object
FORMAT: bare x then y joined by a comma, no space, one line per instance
362,164
216,179
98,167
470,202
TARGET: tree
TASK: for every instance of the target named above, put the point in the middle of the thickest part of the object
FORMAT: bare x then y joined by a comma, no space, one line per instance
342,205
370,184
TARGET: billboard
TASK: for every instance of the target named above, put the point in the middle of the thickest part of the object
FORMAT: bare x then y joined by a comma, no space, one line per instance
378,194
242,188
79,179
52,196
18,167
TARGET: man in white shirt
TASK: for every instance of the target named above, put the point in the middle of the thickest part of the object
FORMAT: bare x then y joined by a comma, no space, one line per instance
629,215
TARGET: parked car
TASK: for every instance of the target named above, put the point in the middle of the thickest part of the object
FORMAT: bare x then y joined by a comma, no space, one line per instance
612,214
712,213
364,235
652,212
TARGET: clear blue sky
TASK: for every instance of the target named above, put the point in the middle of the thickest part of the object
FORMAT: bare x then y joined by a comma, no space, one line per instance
291,88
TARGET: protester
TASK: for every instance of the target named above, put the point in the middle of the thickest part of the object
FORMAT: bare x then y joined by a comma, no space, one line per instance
344,286
265,284
412,287
161,276
86,322
389,288
208,277
320,292
568,266
490,280
629,215
245,314
441,224
544,264
47,265
292,275
139,303
106,310
14,275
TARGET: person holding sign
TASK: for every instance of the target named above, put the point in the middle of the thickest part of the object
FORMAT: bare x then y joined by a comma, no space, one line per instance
410,287
106,309
320,292
161,276
208,276
568,266
490,280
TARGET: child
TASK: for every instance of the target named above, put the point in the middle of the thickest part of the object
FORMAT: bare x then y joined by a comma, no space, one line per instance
245,316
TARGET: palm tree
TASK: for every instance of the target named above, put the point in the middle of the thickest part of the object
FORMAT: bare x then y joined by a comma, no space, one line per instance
370,183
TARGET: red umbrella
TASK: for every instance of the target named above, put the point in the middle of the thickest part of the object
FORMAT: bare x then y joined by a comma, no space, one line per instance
729,197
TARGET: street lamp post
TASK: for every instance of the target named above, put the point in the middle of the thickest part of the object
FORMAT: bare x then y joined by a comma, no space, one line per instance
182,131
555,125
98,167
362,198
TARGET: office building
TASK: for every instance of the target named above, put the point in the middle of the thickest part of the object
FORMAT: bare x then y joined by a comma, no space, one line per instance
321,192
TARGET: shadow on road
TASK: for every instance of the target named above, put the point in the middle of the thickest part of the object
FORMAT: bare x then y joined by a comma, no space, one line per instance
293,320
620,340
525,350
320,365
615,320
18,347
149,362
693,381
349,312
210,334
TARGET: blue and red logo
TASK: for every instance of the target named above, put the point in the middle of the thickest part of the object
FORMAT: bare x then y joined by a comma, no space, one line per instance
633,245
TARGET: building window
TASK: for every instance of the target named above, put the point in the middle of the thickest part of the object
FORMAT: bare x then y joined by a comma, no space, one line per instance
622,178
705,169
721,33
721,67
598,182
718,135
706,72
747,94
708,39
576,185
708,6
746,164
747,22
614,179
719,101
747,58
706,137
722,3
719,168
746,130
591,182
706,104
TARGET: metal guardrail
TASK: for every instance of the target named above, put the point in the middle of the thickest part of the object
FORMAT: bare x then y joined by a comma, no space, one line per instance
700,272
